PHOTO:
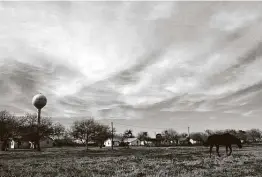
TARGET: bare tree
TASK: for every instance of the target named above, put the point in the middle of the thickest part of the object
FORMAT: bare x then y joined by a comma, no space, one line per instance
171,135
28,128
255,134
183,135
209,132
143,136
8,128
199,136
58,131
128,133
101,133
242,135
84,130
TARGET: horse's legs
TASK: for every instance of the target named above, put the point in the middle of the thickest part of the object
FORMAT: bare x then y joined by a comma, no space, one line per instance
210,150
217,146
230,148
226,149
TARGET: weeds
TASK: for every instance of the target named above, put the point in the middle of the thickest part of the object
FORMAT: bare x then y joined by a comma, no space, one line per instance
133,162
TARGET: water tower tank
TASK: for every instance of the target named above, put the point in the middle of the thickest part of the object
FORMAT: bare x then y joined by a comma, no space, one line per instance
39,101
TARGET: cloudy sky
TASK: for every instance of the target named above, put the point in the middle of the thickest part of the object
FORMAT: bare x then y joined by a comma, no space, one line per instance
151,65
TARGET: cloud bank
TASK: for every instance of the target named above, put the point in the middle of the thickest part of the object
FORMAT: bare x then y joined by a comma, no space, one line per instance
175,63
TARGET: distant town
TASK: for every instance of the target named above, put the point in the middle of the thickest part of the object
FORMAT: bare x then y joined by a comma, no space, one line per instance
20,132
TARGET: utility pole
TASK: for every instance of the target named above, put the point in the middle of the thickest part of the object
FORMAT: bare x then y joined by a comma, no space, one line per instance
112,143
188,132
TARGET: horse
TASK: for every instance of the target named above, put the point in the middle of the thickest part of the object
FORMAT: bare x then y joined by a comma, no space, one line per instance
225,139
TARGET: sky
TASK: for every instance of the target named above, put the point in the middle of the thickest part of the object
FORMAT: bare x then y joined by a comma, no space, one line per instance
145,66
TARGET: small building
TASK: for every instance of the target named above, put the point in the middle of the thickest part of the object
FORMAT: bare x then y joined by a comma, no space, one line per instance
108,142
46,142
133,141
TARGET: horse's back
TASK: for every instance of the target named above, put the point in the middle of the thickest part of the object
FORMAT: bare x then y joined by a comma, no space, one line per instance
221,139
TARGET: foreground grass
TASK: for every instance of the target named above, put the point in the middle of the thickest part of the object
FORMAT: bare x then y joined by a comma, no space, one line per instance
176,161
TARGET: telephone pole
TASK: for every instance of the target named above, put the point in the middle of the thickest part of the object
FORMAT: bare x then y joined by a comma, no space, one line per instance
188,132
112,143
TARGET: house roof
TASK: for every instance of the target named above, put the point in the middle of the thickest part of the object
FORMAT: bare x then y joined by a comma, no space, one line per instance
114,139
130,139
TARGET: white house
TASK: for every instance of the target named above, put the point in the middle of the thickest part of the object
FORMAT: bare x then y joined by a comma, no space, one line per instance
143,143
78,141
133,141
192,141
108,142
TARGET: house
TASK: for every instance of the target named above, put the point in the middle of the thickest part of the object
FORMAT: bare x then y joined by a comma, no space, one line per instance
193,141
184,141
13,144
45,142
145,142
78,141
166,142
133,141
108,142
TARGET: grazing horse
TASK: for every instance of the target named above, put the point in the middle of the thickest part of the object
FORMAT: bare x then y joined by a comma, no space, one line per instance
225,139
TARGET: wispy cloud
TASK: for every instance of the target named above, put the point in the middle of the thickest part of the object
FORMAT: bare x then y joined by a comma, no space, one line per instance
132,60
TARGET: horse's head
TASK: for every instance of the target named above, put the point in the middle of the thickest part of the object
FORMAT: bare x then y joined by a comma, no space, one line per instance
239,145
238,142
235,140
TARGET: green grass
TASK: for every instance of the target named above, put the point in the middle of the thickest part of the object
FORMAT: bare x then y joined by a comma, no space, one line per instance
175,161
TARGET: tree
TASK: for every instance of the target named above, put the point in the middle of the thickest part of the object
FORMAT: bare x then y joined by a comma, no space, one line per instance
198,136
183,135
209,132
171,135
58,131
143,136
101,133
242,135
84,130
231,131
254,134
28,128
8,128
128,134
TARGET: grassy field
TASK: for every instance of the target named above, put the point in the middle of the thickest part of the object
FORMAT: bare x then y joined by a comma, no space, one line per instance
175,161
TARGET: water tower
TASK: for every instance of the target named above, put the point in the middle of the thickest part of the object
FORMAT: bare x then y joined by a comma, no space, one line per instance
39,101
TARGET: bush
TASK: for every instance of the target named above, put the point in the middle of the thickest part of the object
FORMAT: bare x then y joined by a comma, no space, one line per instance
64,142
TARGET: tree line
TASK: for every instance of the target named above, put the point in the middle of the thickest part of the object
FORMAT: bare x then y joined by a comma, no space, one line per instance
24,128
